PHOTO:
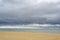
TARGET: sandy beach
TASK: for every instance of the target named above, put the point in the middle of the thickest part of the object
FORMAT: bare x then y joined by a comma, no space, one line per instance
28,36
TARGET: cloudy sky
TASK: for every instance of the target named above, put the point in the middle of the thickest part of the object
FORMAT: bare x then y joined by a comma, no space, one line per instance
29,12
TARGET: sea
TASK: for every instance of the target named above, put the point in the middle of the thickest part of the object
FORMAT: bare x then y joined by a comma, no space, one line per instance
32,29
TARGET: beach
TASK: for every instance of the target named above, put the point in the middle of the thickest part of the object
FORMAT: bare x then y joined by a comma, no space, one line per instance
28,36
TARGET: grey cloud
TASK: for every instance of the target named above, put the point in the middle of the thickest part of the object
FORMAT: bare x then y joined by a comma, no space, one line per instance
25,12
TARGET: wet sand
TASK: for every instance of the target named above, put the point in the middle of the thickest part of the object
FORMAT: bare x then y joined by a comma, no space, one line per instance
28,36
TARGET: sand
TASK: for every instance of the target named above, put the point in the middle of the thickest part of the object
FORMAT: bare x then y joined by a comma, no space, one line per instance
28,36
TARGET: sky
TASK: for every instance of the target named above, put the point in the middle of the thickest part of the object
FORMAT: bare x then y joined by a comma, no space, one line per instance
29,12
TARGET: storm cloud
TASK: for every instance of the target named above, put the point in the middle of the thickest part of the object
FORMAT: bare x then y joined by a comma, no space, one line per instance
29,11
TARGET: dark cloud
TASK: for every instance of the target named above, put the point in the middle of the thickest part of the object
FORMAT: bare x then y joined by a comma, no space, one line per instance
29,12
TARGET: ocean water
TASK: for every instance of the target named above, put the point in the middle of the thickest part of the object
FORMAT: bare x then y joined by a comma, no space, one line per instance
48,30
